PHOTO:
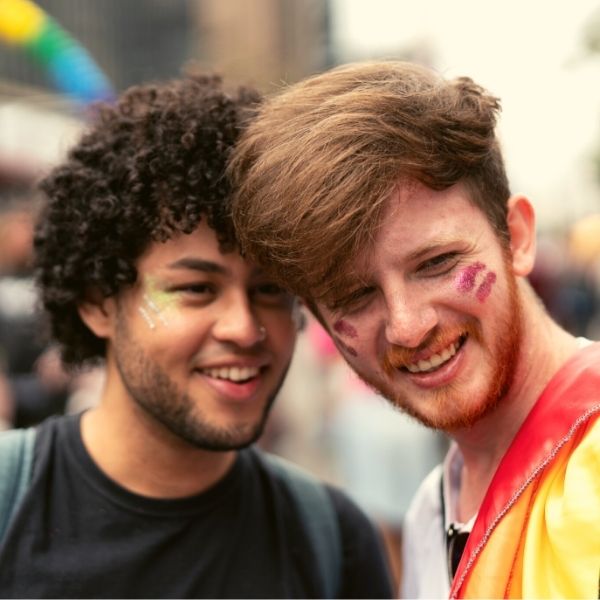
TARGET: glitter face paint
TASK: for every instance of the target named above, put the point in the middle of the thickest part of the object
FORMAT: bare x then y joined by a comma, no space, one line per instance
155,303
161,299
155,309
483,291
465,281
344,328
146,317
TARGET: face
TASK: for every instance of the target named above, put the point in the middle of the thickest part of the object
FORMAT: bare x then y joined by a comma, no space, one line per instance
202,342
430,316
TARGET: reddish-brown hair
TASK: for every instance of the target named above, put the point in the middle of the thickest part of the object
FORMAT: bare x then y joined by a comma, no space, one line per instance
312,172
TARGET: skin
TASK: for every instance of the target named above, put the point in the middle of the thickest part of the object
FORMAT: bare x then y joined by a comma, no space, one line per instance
167,424
412,299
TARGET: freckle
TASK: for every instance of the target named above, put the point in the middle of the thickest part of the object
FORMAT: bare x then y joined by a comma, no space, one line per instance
466,278
345,328
483,291
348,349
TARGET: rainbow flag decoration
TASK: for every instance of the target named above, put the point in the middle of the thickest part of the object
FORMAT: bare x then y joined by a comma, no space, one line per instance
68,65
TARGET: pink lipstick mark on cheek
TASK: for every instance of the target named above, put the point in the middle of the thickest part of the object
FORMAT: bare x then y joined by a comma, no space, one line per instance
483,291
465,281
347,349
344,328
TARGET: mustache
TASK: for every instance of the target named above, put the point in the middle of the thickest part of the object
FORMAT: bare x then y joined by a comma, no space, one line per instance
396,357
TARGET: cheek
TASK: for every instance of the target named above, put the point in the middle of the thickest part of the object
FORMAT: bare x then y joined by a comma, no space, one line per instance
157,313
282,332
475,280
345,337
345,348
345,329
484,290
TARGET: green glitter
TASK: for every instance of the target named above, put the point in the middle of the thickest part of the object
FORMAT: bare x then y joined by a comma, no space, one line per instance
161,299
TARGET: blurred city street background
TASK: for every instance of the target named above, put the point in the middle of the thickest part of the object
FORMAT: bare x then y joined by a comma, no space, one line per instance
541,58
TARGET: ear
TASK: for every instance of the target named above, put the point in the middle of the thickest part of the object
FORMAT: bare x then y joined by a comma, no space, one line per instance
521,228
98,314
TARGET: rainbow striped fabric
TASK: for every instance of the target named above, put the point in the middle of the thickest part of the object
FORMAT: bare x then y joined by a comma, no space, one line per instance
537,533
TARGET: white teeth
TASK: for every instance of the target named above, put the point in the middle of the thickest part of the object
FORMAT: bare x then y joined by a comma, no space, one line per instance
434,361
232,373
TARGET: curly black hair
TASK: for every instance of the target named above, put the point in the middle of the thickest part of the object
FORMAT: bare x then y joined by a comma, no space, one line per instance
152,166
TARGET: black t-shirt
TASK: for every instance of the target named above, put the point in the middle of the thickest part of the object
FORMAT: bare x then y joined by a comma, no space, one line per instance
79,534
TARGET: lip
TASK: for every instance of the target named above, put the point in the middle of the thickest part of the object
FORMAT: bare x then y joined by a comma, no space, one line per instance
442,375
230,391
242,363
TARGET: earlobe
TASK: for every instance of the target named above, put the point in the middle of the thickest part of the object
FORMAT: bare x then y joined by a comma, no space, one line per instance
98,314
521,228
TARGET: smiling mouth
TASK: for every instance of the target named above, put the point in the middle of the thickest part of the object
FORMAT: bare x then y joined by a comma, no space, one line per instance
437,360
233,374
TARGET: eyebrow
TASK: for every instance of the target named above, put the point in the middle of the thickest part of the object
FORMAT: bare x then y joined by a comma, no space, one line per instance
198,264
434,246
207,266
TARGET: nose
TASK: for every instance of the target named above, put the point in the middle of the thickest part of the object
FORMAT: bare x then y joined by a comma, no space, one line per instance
237,324
409,321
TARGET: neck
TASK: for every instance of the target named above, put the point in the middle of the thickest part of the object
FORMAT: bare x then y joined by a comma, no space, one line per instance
545,347
142,456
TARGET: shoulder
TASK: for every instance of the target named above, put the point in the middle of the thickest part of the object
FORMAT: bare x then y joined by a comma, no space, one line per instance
575,488
303,485
366,572
563,532
335,525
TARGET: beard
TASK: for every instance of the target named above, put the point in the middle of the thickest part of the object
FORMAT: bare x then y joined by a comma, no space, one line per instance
451,409
159,397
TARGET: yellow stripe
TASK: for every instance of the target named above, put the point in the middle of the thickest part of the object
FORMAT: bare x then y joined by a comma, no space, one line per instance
21,21
561,557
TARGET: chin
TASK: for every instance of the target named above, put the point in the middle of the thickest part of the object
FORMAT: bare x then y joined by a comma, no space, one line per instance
222,438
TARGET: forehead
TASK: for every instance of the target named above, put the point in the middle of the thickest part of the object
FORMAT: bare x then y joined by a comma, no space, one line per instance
201,244
417,218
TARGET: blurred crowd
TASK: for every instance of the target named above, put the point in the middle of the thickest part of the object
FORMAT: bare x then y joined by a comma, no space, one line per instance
567,276
33,383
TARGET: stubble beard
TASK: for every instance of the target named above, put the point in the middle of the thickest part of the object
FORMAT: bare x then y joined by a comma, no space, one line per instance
158,396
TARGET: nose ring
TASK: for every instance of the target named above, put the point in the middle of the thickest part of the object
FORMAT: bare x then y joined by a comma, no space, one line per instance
263,333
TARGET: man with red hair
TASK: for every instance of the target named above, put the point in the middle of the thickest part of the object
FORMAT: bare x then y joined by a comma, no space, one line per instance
378,193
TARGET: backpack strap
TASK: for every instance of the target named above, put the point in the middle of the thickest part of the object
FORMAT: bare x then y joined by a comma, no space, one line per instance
16,459
320,521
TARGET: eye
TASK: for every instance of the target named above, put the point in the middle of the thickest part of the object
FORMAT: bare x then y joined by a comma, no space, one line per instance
439,264
270,293
269,289
196,291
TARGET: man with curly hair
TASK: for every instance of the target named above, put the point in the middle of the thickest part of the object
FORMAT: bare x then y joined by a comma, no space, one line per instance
377,192
156,492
